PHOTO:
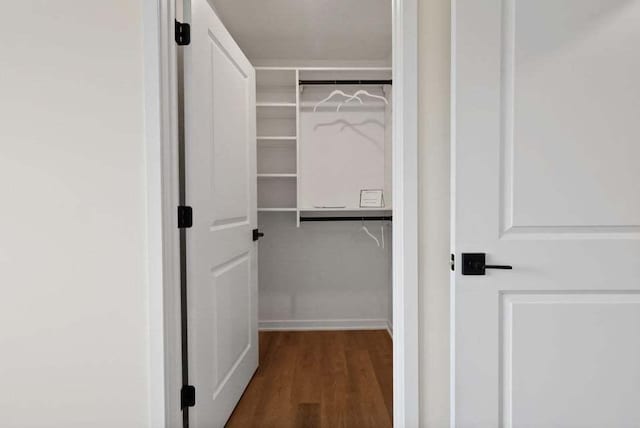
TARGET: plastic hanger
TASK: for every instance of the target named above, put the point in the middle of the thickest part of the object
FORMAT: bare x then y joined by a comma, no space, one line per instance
338,92
364,228
362,92
348,100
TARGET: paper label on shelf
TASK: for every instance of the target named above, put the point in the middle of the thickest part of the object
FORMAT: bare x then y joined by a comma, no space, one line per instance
371,198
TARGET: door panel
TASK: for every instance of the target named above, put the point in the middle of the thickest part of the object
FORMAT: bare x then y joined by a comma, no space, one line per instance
230,162
221,188
569,115
546,179
232,315
586,342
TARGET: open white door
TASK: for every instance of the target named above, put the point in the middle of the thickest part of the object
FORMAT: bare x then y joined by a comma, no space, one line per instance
220,180
547,179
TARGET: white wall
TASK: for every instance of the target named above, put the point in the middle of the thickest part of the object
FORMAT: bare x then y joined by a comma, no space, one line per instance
433,134
73,310
322,275
343,152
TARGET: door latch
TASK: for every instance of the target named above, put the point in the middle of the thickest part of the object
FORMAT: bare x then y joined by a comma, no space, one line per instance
257,234
475,264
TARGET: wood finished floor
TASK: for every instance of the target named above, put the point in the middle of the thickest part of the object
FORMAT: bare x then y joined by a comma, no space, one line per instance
328,379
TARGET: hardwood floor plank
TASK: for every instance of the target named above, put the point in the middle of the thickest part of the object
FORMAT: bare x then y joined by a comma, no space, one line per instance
243,414
365,398
308,415
381,355
334,381
328,379
275,408
308,367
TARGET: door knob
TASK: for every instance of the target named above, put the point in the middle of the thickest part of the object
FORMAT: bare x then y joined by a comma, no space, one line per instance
475,264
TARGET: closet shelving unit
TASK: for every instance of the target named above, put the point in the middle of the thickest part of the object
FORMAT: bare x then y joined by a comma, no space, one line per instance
277,139
278,109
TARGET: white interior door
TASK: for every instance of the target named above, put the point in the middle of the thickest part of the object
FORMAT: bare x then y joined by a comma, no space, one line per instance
221,187
547,179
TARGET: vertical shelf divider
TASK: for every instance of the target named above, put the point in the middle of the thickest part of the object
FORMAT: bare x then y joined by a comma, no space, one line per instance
297,83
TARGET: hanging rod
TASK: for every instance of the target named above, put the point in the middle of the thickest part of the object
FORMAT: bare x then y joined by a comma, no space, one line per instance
370,218
346,82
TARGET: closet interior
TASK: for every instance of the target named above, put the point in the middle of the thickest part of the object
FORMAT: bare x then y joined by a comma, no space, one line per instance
324,197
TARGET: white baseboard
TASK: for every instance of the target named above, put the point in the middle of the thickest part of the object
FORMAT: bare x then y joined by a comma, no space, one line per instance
307,325
390,328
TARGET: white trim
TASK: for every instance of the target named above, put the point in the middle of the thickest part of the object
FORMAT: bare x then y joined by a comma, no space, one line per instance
298,105
452,214
165,378
267,138
276,175
324,68
162,233
405,215
390,329
279,105
277,210
313,325
154,272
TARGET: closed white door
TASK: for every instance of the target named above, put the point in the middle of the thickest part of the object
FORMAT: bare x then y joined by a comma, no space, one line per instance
221,187
547,179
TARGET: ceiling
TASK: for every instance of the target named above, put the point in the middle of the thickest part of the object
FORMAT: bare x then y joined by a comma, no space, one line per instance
309,30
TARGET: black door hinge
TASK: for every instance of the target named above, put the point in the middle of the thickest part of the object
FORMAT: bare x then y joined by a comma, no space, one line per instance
183,33
185,217
187,396
453,262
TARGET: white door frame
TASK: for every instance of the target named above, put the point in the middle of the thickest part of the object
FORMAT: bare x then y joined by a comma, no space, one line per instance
161,133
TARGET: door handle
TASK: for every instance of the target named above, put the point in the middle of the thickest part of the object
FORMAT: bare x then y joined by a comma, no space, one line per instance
506,267
475,264
257,234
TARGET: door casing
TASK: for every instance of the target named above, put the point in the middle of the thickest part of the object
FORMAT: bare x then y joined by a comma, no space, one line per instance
163,273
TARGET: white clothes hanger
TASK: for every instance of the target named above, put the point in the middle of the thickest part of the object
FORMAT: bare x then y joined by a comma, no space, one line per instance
334,93
348,100
362,92
382,233
364,228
